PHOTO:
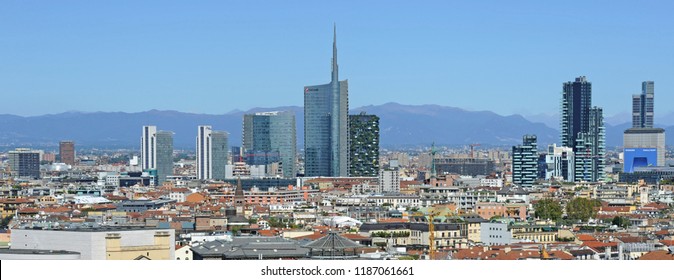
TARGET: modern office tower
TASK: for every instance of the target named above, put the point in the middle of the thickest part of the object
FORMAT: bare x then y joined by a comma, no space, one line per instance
212,153
164,152
67,152
525,162
220,154
270,137
156,153
389,181
148,148
643,106
325,125
560,163
24,163
591,148
363,145
582,129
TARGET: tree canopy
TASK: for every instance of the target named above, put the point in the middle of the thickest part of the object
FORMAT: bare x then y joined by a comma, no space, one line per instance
548,209
581,208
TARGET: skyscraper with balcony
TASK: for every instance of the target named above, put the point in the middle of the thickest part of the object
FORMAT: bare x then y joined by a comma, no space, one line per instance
271,137
363,145
525,161
582,129
326,125
212,153
643,106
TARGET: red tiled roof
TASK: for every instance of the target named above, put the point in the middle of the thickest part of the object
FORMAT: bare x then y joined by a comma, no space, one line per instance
586,237
596,245
657,205
667,242
313,236
658,255
28,210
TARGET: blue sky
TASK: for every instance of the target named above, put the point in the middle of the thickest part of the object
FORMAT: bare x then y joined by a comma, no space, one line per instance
217,56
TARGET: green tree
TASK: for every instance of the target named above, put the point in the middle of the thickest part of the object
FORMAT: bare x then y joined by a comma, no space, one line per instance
548,209
5,221
581,208
621,221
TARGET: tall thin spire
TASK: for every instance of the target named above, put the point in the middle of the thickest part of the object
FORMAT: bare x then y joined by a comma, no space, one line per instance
335,70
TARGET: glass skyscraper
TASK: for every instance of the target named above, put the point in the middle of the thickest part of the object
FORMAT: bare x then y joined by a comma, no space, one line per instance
582,128
164,155
326,125
212,153
643,106
271,137
156,152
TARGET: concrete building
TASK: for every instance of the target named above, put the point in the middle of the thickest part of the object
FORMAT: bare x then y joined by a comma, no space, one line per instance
326,133
525,161
270,137
28,254
24,163
495,233
643,147
363,145
103,243
389,181
67,152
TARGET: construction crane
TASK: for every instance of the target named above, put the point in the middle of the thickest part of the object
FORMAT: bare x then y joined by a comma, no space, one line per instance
431,232
431,235
472,148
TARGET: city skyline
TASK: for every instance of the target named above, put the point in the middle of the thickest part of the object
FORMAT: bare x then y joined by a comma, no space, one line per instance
387,60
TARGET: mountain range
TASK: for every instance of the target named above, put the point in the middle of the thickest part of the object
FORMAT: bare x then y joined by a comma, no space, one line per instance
400,126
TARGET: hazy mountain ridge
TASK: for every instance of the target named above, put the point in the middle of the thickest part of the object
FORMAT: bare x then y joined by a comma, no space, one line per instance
399,124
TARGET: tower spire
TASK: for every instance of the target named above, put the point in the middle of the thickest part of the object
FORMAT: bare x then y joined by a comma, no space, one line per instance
335,77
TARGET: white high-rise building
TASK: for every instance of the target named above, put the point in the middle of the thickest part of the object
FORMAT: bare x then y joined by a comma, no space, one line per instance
212,153
148,147
560,163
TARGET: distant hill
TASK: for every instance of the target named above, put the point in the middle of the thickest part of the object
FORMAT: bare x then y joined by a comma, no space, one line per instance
400,125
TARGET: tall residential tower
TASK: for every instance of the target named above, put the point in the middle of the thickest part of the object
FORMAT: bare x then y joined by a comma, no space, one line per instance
582,129
363,145
326,125
525,161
